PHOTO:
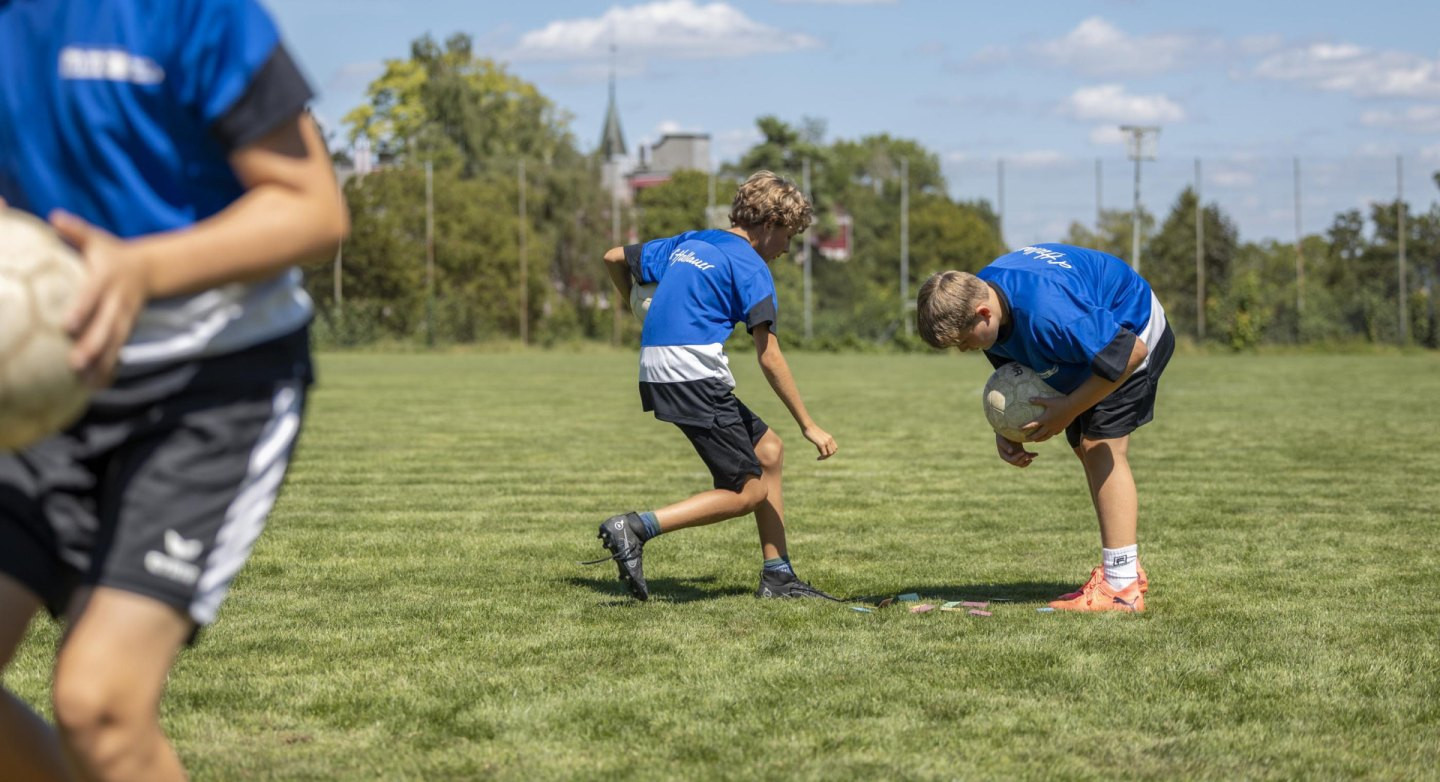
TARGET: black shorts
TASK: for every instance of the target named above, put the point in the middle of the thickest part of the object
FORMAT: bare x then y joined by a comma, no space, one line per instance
728,447
1128,407
162,488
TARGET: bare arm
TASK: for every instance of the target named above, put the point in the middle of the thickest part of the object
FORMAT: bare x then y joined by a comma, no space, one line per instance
619,271
777,372
1060,411
291,212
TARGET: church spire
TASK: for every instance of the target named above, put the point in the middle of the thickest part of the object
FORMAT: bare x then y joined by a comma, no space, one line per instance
612,140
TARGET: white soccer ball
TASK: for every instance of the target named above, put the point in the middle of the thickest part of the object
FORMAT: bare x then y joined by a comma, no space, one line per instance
640,296
39,277
1007,396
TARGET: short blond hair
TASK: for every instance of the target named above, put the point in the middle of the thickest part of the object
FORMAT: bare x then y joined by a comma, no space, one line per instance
945,308
767,198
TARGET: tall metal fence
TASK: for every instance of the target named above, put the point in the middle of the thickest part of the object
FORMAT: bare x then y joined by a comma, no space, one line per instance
536,274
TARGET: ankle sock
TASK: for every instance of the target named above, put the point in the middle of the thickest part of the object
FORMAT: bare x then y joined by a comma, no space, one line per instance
651,526
779,565
1120,566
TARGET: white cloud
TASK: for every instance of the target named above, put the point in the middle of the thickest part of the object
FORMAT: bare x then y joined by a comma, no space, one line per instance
1107,134
1110,103
1431,153
1352,69
1377,149
839,2
354,76
731,144
1415,119
670,28
671,126
1231,178
1098,48
1037,158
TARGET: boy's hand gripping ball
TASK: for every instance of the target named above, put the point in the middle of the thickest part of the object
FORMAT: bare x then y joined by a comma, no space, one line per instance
1007,396
39,277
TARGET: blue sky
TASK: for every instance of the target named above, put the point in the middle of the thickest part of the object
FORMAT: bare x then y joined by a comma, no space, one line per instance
1246,87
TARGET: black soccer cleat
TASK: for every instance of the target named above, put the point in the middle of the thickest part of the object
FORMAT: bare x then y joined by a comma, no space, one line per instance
619,537
778,583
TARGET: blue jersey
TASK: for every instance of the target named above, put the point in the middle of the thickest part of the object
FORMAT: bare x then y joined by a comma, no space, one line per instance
1073,312
125,112
707,282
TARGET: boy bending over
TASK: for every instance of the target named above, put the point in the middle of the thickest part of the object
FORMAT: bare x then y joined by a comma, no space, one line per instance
1093,329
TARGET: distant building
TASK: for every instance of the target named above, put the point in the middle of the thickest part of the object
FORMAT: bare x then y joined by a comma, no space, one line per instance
656,164
678,151
837,247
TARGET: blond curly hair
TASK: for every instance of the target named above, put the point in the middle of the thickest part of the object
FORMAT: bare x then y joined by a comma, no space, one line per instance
945,307
767,198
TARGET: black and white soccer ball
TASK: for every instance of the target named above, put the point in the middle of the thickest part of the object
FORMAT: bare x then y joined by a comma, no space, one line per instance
640,296
40,276
1007,396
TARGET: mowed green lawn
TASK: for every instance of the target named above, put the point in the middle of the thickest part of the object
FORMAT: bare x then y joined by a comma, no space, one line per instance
415,609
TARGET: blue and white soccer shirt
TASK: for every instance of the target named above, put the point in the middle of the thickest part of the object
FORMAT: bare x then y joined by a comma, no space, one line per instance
1073,312
124,112
708,282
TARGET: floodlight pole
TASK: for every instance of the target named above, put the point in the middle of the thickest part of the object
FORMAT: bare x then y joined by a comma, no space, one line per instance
615,242
905,244
1099,193
1199,257
804,243
1138,152
524,262
1299,257
1000,196
1400,234
429,254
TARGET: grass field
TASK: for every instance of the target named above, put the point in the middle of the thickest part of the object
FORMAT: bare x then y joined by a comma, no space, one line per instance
415,610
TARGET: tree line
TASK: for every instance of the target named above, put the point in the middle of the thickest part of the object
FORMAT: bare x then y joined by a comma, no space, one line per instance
520,219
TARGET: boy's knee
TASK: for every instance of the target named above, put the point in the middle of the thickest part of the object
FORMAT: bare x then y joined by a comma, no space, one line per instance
1109,449
770,451
90,706
83,711
751,495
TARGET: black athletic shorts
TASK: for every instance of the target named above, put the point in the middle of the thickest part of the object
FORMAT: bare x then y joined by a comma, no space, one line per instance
163,486
728,447
1128,407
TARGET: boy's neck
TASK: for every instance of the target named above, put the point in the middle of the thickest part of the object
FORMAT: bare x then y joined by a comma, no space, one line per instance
1000,303
743,234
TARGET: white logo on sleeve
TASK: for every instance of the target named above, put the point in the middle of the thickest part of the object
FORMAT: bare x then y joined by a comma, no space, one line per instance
1053,257
108,65
177,562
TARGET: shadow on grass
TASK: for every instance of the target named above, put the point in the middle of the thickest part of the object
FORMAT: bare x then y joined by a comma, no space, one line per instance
1019,592
667,590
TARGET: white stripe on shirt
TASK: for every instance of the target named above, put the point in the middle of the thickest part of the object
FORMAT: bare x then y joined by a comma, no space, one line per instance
679,363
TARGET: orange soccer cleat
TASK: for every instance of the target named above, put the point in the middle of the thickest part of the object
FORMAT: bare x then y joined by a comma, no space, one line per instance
1097,595
1141,580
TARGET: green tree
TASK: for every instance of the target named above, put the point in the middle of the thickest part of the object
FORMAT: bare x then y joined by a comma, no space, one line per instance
1169,263
1113,234
478,125
675,206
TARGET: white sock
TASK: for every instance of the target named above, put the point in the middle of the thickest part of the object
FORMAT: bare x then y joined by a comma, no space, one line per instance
1120,564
